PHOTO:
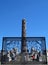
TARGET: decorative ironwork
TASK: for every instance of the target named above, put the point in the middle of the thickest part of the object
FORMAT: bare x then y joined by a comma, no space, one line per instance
36,43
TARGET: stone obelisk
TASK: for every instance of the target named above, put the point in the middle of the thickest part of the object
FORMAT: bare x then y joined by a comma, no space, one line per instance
23,45
23,42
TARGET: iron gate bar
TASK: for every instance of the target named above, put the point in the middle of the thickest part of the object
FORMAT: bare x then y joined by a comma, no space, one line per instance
27,38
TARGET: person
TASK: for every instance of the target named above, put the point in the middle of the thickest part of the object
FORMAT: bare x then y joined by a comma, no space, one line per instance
15,52
12,55
8,56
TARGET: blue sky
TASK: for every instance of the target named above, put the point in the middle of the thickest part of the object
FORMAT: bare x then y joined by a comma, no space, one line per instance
13,11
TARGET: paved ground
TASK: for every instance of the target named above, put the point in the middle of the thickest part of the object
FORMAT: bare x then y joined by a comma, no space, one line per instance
0,63
24,64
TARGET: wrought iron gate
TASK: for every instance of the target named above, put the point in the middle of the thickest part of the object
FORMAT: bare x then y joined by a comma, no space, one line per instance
35,50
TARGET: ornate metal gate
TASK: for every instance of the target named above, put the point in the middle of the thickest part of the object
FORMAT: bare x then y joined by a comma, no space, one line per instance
36,49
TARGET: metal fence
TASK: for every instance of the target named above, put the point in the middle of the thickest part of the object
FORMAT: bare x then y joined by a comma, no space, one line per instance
35,53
